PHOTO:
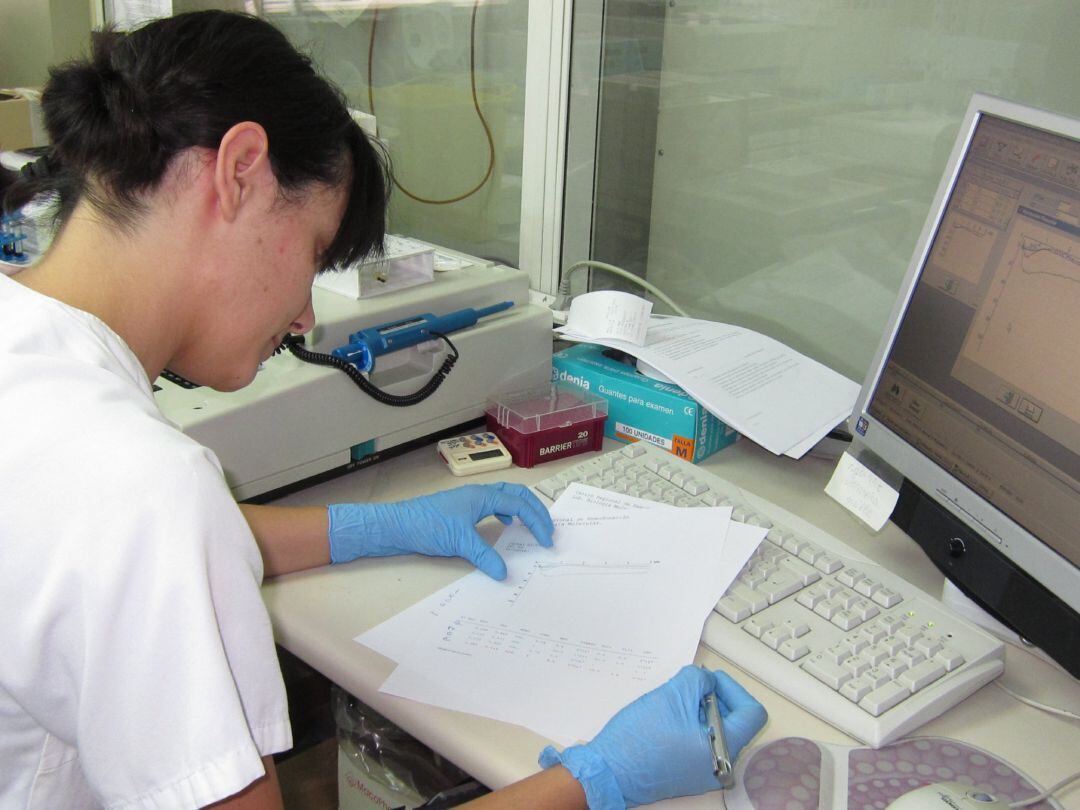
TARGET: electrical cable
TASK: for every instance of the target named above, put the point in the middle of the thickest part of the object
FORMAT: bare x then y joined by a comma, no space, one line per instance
564,286
476,106
1050,791
295,345
1036,704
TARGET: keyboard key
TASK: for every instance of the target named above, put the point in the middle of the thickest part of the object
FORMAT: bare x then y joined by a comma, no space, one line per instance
849,576
809,598
793,649
864,610
797,628
778,586
891,644
810,554
927,646
550,488
804,572
757,601
856,642
733,608
911,657
893,667
827,608
884,698
845,620
831,674
827,564
875,655
837,653
856,665
695,487
922,675
890,623
756,627
867,587
908,634
775,636
793,544
633,450
876,677
856,689
887,598
949,658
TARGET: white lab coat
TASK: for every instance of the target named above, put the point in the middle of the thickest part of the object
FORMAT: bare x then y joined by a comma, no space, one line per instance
138,665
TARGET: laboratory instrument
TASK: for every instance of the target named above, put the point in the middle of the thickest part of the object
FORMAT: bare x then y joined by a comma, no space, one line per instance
297,421
474,453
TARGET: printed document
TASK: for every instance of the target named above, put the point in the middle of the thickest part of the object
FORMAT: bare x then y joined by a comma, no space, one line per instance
575,632
767,391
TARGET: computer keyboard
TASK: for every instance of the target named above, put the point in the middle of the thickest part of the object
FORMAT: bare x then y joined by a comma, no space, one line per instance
810,616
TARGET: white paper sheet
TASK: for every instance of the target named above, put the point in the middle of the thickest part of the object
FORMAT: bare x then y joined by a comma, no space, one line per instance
610,314
767,391
536,650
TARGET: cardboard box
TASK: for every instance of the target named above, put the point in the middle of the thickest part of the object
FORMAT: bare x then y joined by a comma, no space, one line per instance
20,119
641,408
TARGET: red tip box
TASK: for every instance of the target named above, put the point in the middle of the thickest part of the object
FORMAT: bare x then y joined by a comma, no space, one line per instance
544,424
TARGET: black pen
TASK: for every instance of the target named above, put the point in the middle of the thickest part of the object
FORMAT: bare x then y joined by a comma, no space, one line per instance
715,728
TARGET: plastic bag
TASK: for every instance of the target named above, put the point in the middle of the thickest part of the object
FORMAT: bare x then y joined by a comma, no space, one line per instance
381,766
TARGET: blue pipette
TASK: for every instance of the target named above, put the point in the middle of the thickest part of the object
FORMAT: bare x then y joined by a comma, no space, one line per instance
367,344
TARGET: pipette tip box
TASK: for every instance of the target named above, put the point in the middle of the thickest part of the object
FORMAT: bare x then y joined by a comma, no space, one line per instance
547,423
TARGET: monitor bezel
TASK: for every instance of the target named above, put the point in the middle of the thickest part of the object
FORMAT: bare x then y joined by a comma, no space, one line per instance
1028,552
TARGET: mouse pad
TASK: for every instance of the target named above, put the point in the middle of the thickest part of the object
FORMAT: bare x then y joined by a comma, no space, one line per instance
800,774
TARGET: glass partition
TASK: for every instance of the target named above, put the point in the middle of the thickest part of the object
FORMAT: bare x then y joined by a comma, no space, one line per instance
771,162
445,81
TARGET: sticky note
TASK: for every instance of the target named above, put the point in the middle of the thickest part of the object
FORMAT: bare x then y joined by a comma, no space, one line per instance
855,487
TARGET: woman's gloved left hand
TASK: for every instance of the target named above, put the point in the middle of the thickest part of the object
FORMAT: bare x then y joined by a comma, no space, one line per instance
440,525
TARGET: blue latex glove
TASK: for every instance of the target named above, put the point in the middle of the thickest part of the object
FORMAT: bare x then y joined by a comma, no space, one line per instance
440,525
658,747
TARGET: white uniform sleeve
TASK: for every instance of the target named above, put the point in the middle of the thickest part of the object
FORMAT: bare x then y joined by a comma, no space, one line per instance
179,677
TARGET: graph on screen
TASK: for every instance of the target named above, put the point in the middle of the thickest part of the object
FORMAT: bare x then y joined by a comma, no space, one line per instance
1037,281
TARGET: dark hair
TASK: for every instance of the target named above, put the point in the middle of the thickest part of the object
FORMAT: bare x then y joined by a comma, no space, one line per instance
117,119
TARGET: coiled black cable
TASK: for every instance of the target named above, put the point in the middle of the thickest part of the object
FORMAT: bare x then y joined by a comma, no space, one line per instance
295,344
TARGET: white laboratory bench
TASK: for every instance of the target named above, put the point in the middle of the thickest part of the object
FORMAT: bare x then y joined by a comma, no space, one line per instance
316,614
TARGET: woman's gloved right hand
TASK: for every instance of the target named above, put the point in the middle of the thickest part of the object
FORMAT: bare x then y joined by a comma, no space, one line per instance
658,746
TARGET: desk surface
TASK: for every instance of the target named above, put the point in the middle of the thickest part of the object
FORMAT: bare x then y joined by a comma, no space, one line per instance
316,614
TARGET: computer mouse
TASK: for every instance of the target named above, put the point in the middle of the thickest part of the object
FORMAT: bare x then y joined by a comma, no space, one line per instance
947,796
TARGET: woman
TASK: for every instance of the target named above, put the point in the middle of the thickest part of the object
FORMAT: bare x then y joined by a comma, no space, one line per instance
203,173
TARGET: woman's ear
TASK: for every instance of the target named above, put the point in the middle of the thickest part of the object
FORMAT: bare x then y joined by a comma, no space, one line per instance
243,165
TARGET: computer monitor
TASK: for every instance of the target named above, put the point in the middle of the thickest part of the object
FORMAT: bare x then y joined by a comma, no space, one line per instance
974,394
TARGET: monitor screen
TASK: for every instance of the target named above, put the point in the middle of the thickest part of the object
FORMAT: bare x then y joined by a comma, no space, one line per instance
974,396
